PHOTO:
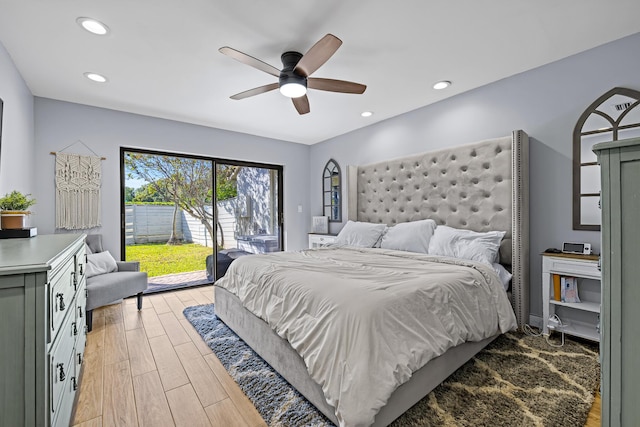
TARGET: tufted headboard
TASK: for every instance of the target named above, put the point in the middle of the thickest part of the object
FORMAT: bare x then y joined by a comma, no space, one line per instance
481,187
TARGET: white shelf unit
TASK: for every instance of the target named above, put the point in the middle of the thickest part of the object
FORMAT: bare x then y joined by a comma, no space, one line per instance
580,319
317,240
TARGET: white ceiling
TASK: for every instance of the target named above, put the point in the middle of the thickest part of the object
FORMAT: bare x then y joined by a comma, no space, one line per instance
161,57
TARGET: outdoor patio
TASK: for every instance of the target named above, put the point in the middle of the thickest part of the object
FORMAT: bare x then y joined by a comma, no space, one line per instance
176,281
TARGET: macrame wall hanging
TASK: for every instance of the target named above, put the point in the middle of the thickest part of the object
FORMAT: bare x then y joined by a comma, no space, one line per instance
78,182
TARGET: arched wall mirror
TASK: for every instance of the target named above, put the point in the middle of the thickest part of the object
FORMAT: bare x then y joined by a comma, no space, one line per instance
613,116
332,191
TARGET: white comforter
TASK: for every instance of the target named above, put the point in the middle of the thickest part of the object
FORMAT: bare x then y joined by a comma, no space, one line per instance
364,319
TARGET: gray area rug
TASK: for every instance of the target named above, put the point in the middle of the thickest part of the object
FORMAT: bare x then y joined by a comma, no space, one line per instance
517,380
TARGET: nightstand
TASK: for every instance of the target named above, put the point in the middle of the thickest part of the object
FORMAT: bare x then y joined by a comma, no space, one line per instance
581,319
317,240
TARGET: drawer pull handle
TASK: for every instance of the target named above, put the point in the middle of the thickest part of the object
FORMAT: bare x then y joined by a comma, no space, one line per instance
79,311
74,384
60,366
61,305
79,358
82,269
75,329
74,281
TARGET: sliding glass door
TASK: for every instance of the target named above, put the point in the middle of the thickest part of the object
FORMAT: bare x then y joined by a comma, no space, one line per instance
185,224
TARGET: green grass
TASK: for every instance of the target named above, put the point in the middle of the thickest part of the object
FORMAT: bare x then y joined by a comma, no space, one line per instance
158,259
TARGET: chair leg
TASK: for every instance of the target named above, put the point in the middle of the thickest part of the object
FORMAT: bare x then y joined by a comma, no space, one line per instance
139,297
89,314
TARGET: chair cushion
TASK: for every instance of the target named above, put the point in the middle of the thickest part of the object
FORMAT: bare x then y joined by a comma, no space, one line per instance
107,288
100,263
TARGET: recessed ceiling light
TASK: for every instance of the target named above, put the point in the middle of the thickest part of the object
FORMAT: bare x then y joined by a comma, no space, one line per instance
442,85
96,77
93,26
366,113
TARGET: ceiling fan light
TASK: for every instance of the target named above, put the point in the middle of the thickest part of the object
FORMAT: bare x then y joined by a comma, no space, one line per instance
293,90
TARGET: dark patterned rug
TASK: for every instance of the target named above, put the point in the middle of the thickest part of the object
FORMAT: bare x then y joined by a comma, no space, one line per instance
517,380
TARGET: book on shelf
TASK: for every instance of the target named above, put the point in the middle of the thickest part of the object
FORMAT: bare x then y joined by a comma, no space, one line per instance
557,295
569,292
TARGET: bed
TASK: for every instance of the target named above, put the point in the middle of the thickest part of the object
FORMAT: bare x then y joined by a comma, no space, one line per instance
481,187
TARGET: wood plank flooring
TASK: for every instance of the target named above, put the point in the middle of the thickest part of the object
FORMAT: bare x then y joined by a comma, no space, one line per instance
151,368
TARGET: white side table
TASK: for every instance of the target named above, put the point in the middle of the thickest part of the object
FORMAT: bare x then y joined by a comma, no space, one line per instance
317,240
581,319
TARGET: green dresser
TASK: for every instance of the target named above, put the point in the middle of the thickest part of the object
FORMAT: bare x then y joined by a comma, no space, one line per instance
620,316
42,328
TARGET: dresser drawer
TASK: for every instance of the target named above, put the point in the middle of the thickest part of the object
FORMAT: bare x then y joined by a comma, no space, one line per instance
61,360
80,304
81,263
61,417
62,290
81,321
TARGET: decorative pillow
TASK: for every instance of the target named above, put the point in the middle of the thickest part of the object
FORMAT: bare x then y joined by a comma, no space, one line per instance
100,263
466,244
503,274
361,234
409,236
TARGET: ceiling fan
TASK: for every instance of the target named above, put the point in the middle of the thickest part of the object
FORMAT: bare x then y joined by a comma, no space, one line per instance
294,79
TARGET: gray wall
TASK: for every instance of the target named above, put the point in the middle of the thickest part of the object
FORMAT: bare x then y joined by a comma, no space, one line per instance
545,102
17,149
59,124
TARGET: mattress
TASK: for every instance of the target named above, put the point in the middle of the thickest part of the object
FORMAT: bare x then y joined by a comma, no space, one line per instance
352,311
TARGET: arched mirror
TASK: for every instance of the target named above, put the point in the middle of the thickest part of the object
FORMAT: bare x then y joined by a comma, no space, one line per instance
613,116
332,191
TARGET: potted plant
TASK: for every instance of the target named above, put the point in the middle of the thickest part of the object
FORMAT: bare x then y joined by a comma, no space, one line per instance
14,209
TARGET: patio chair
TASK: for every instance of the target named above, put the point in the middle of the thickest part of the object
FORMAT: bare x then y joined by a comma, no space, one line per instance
224,260
107,288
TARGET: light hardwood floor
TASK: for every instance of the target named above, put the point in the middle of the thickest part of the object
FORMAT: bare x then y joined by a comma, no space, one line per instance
151,368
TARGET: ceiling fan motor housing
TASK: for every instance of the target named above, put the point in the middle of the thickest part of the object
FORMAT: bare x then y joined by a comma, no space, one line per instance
289,62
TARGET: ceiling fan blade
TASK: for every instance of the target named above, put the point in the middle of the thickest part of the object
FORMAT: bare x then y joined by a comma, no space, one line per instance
332,85
317,55
250,60
301,104
255,91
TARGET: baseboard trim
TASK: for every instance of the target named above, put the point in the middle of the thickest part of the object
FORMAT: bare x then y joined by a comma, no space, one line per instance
535,321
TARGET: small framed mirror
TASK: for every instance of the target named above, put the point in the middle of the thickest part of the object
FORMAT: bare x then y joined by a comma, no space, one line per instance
613,116
332,191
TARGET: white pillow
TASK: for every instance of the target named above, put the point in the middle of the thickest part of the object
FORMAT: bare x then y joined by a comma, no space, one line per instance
466,244
409,236
503,274
100,263
361,234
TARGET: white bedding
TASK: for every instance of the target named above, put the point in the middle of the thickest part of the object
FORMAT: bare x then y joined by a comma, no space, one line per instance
364,319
